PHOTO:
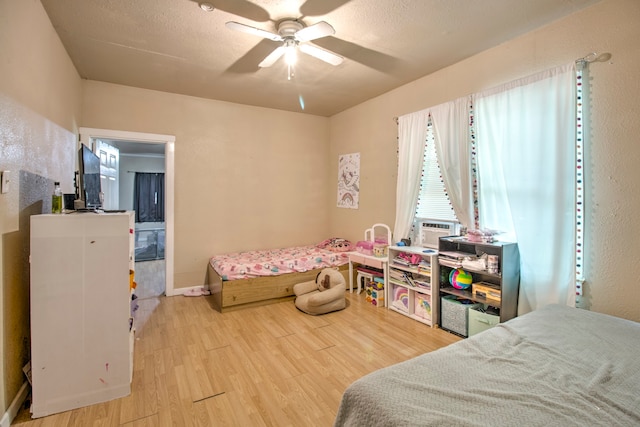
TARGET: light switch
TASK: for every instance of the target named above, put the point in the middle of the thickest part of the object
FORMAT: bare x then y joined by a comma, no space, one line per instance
4,182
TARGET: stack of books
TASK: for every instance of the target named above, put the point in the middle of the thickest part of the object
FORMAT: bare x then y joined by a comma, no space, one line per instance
424,267
422,283
399,260
401,277
454,259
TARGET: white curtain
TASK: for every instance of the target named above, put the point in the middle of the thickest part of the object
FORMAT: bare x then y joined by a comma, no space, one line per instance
452,140
526,170
412,131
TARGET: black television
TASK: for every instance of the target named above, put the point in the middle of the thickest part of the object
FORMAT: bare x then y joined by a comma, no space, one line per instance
90,190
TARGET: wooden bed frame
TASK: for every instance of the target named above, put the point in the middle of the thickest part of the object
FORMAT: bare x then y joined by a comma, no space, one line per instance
234,294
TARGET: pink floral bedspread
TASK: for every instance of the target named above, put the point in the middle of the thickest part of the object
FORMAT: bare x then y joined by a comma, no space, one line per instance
273,262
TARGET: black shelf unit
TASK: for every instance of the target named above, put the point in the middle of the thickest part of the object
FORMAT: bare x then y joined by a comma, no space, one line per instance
507,278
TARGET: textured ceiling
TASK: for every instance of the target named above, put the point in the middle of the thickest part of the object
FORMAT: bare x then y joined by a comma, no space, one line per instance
175,46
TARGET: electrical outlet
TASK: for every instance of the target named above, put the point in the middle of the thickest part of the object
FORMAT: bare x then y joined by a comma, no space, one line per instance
4,182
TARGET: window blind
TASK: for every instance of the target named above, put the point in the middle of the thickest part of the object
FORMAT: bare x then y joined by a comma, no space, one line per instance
433,201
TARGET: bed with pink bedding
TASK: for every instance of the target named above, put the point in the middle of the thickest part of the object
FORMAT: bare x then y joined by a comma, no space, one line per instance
274,262
265,276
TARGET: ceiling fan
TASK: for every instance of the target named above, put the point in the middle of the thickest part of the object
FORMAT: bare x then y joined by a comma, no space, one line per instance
293,34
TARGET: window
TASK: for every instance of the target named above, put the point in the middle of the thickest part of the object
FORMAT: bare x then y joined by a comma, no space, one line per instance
525,175
433,201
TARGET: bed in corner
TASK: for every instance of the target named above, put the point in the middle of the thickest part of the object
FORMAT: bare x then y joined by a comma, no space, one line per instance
555,366
249,278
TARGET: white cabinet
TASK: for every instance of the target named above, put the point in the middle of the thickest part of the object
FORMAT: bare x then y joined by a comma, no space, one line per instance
81,324
413,285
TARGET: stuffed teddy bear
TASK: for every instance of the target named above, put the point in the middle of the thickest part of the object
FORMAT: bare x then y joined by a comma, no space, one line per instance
323,295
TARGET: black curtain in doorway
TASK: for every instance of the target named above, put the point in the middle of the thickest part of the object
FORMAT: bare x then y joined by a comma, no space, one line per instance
148,197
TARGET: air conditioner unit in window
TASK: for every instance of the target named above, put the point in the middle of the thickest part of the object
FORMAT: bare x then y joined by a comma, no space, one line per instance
430,231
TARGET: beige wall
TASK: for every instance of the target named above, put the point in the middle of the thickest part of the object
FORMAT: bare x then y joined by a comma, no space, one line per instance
39,114
255,178
612,227
245,177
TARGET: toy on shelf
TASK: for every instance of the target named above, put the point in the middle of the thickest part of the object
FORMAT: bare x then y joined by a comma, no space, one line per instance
460,279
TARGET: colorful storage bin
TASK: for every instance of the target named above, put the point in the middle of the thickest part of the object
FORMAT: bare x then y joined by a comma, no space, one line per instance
374,290
455,314
400,296
422,306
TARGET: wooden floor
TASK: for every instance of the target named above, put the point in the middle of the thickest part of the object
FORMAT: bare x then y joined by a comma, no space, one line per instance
262,366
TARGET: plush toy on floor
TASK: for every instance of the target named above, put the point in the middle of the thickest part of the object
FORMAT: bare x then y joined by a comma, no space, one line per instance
323,295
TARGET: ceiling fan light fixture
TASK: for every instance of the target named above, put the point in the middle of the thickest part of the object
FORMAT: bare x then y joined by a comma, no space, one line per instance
293,34
290,52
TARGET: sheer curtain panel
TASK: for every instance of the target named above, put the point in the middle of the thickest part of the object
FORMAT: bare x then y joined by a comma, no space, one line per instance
412,131
525,133
452,140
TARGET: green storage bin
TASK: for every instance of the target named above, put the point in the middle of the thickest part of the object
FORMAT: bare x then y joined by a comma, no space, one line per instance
479,321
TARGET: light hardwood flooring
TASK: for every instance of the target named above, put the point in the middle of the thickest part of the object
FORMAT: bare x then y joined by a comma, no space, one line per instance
263,366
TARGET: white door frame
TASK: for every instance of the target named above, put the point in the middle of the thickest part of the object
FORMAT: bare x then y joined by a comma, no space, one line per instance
86,134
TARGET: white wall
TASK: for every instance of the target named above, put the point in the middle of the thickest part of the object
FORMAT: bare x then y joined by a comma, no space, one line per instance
39,116
611,26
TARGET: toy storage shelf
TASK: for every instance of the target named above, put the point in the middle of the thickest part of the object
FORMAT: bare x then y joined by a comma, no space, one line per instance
506,281
413,286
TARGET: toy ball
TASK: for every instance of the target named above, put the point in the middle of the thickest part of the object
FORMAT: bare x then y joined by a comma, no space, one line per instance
460,279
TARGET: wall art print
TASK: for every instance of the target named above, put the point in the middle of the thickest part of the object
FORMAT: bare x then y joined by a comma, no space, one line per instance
348,180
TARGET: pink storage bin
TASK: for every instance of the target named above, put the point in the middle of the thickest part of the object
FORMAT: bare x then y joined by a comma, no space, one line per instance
364,247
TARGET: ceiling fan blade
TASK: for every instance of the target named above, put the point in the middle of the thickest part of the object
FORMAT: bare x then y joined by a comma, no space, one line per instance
253,30
315,31
323,54
241,8
272,57
248,63
368,57
321,7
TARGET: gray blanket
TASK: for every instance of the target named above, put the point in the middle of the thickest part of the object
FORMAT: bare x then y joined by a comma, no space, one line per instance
556,366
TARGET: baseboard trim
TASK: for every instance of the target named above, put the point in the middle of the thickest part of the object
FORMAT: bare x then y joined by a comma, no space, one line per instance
14,408
182,291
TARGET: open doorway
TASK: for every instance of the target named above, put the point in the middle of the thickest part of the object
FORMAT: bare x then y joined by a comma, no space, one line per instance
140,187
141,153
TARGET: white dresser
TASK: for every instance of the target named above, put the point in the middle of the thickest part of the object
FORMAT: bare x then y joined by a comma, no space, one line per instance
81,320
